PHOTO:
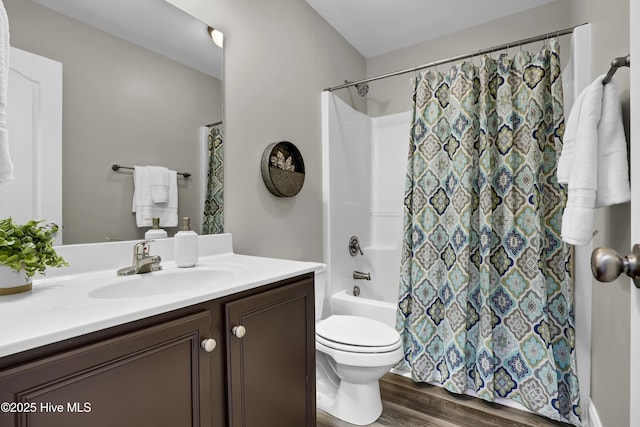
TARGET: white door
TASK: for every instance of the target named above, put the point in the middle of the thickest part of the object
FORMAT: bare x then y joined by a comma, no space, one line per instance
34,122
634,394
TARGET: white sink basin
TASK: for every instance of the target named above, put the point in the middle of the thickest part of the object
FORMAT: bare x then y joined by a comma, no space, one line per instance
165,282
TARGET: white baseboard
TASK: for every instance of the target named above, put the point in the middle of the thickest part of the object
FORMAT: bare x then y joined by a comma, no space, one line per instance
593,418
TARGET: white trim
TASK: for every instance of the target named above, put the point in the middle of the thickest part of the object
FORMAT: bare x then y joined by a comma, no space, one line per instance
594,419
203,136
634,80
577,76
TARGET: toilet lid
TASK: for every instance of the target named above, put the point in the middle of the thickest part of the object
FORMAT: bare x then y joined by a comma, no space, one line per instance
357,331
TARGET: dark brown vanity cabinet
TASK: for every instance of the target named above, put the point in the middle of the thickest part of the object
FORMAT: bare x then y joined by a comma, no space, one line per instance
271,358
157,371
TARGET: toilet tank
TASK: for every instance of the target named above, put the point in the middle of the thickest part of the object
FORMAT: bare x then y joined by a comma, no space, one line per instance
320,290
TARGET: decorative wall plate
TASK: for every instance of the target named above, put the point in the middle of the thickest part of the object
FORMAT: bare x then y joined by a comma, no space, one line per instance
282,169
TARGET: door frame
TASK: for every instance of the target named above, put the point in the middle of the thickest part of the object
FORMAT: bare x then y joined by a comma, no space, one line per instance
634,158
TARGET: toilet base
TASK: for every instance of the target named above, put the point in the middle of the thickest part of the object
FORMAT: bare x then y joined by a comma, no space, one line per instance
358,404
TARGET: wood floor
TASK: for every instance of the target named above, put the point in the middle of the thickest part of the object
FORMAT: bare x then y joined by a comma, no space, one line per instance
406,404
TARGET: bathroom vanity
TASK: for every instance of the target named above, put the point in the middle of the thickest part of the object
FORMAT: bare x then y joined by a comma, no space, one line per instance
239,356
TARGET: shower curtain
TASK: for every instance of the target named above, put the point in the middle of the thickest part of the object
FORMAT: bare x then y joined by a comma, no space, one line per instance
213,217
486,298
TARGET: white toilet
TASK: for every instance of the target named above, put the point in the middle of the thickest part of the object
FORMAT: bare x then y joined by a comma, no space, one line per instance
352,353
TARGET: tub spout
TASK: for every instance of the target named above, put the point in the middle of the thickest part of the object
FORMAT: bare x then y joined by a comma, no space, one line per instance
358,275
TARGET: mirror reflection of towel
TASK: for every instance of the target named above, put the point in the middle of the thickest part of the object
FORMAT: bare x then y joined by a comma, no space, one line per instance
159,183
143,204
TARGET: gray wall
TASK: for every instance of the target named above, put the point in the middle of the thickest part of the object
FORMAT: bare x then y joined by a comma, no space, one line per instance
121,104
279,56
611,310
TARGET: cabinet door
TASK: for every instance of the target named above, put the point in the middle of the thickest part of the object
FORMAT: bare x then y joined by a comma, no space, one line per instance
156,376
271,369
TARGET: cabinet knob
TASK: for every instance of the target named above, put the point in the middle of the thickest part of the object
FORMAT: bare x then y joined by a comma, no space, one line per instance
209,344
239,331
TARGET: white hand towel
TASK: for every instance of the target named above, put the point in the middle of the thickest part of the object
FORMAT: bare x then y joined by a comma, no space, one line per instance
6,166
593,162
143,205
159,182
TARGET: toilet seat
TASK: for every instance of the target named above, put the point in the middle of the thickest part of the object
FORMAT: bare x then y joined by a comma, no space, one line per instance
356,349
357,334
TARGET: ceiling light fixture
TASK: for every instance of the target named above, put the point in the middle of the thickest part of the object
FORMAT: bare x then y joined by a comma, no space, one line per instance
216,36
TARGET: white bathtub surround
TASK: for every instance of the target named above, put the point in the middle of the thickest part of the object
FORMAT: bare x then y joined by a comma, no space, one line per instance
82,298
364,167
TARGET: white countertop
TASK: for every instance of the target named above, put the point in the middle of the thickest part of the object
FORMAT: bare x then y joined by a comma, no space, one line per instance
62,306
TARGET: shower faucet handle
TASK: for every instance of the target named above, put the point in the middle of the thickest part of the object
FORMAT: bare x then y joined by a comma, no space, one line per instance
354,246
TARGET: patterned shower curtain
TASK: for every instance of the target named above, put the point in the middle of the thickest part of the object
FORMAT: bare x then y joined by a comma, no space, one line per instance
486,298
213,218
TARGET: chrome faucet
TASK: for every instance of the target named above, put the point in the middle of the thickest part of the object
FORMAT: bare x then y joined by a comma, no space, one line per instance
142,261
358,275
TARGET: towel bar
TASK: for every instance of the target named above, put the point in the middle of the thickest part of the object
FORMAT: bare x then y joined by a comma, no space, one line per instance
622,61
116,167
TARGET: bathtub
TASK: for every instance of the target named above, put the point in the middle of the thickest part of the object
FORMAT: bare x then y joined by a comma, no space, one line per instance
344,302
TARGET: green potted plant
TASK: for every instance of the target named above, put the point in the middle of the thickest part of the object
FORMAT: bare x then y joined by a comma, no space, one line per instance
24,251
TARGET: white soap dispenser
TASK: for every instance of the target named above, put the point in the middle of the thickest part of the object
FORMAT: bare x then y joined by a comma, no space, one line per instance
155,232
185,245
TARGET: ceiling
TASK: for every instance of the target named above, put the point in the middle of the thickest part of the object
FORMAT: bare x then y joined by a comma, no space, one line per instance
375,27
155,25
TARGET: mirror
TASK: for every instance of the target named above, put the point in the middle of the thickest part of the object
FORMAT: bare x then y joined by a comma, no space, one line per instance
140,82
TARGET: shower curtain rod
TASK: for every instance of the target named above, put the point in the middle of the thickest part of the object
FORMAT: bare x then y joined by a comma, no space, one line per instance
459,57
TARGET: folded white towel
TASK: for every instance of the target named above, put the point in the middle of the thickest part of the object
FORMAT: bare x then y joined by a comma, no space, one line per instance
159,182
593,162
6,166
143,205
613,164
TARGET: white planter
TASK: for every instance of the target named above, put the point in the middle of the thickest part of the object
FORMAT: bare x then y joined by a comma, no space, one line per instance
12,282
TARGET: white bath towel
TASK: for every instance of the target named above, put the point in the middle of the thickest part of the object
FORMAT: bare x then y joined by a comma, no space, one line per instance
159,183
593,162
6,166
143,205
